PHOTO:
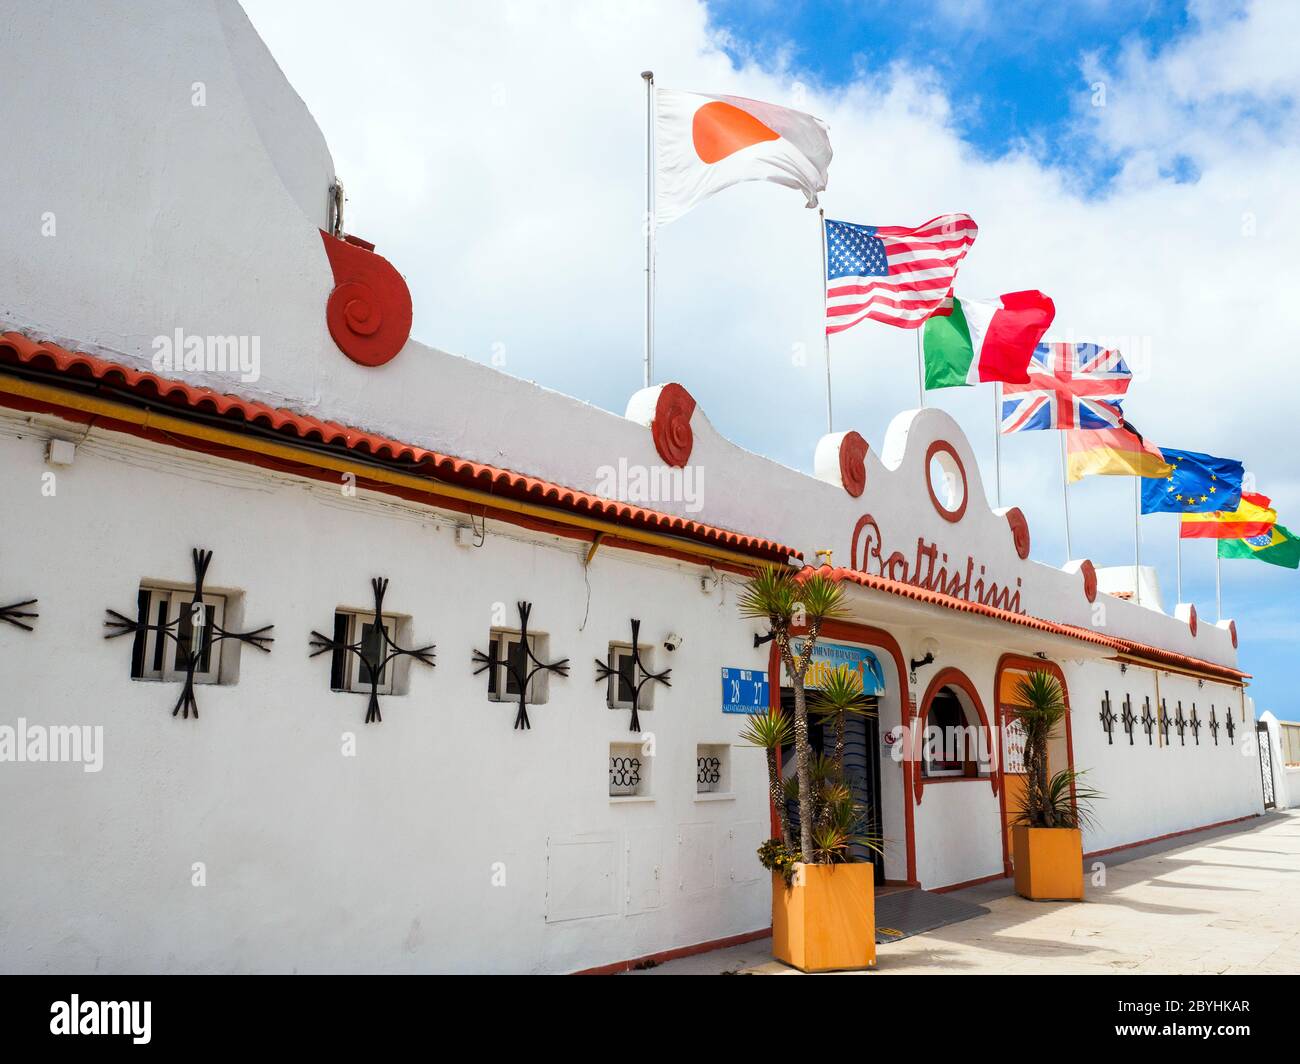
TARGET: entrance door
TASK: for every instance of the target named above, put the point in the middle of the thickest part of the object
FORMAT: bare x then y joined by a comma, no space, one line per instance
861,770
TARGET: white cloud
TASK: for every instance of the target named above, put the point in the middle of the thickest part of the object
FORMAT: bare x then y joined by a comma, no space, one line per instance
495,151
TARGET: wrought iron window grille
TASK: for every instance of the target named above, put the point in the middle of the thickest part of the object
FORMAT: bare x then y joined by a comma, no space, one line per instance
187,654
1231,729
708,771
1180,723
640,675
1108,719
374,655
624,773
522,671
1164,723
1195,723
1214,726
1127,718
16,614
1148,720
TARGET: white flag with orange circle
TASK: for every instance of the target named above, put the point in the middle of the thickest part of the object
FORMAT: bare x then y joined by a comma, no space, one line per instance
704,144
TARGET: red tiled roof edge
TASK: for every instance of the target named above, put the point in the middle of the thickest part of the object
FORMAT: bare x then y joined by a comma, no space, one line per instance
15,347
1024,620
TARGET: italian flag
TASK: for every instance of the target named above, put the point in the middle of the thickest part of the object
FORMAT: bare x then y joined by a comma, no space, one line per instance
1277,546
980,340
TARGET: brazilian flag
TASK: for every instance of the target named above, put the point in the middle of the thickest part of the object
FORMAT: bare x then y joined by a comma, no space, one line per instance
1277,546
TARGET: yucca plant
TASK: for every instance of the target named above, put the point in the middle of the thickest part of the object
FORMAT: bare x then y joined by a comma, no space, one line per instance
771,731
789,602
1058,800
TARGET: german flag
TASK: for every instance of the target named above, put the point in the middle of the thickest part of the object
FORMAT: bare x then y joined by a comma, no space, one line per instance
1254,517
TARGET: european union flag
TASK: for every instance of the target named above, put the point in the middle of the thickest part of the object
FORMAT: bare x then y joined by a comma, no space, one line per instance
1199,483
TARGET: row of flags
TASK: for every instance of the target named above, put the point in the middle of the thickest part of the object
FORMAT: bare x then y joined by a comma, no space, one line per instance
904,277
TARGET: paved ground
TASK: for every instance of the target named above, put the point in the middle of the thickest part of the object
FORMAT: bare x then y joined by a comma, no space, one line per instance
1221,901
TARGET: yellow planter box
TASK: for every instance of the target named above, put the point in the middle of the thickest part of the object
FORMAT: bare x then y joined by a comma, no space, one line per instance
1048,863
826,921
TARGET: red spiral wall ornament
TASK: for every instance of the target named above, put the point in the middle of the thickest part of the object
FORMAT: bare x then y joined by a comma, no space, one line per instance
853,464
1019,531
1192,622
1089,572
671,427
1232,631
369,310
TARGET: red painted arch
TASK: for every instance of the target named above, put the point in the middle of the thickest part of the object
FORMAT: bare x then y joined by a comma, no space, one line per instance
952,677
1022,662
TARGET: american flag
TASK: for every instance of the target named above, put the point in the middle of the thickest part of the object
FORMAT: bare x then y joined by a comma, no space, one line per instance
891,273
1071,386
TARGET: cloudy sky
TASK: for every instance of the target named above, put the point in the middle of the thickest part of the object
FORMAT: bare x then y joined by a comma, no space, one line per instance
1137,162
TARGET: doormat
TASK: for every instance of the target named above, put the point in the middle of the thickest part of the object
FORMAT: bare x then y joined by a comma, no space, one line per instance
910,912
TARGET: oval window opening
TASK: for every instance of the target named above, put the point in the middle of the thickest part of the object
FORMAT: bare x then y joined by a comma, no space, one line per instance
947,483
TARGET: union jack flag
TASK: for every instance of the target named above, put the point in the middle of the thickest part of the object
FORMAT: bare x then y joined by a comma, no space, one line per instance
1071,386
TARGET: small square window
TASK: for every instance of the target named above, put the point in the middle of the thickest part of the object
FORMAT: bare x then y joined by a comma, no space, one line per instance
509,661
713,768
621,685
178,628
353,672
629,771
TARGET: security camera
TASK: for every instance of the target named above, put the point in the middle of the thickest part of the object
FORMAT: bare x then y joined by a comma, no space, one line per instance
672,641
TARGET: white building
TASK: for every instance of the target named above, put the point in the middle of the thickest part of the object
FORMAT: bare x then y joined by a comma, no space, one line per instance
189,361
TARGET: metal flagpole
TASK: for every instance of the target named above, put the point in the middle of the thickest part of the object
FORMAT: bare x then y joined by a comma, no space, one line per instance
1218,584
920,367
1178,555
997,442
649,76
821,224
1137,540
1065,496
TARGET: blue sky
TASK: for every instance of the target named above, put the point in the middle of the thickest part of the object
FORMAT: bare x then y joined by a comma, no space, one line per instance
476,141
1018,78
1012,68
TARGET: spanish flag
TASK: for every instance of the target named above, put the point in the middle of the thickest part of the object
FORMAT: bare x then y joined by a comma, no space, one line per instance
1113,452
1252,518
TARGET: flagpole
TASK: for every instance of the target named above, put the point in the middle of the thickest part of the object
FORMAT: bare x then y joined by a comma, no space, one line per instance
649,76
821,224
1218,584
997,442
1178,555
920,371
1065,497
1137,540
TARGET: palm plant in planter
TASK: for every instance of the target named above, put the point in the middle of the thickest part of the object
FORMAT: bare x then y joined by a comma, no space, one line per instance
822,906
1047,830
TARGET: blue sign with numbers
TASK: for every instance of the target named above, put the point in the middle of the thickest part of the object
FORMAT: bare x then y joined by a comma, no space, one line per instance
744,691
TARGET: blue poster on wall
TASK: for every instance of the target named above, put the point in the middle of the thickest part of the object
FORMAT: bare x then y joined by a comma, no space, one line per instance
744,691
830,656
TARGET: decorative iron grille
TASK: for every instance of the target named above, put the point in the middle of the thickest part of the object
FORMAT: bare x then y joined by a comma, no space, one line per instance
1148,719
188,655
375,654
1127,718
16,614
624,774
640,675
522,671
708,771
1108,719
1265,764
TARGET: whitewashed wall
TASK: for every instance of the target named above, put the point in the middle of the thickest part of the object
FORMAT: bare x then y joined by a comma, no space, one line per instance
1151,790
315,861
